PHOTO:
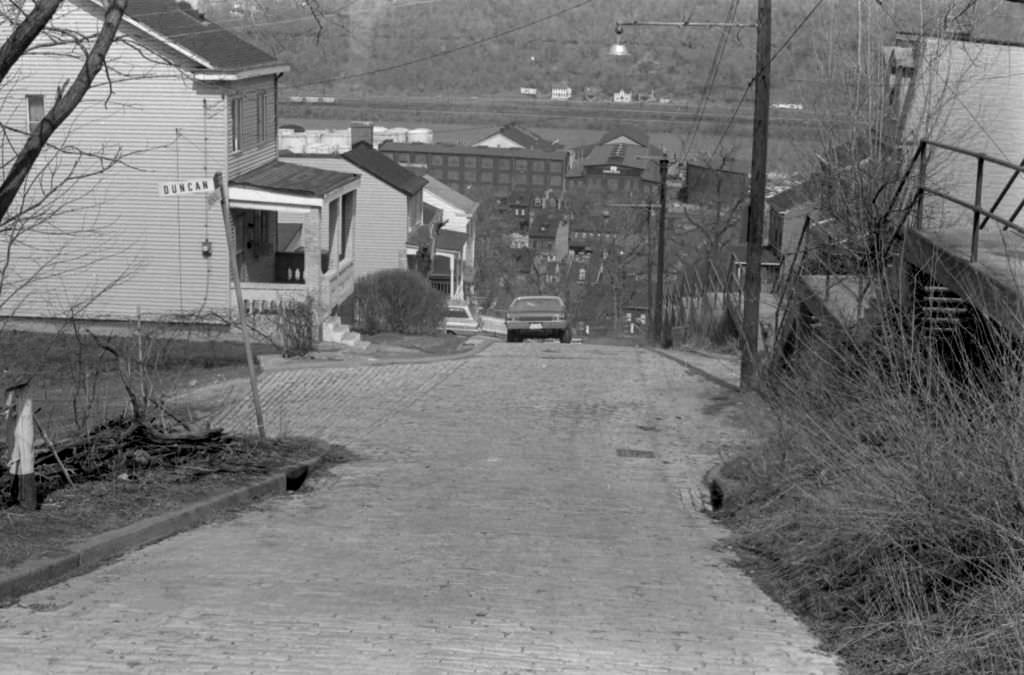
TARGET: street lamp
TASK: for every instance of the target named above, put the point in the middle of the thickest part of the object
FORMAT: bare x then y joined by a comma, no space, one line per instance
758,175
618,49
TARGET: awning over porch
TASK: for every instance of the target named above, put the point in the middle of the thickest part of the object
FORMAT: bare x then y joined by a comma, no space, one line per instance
279,185
448,240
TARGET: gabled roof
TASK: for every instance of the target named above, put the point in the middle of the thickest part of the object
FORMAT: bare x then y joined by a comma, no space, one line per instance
380,166
448,194
526,138
188,39
295,179
635,134
620,154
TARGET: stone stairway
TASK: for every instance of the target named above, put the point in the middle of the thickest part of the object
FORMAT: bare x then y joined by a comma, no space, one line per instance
334,332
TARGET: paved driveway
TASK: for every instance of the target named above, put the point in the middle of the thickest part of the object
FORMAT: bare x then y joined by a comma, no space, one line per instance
525,510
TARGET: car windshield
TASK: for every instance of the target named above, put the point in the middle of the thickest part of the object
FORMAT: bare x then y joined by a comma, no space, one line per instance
457,313
536,305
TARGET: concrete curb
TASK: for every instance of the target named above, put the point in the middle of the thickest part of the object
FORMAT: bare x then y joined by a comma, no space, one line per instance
694,369
272,362
92,553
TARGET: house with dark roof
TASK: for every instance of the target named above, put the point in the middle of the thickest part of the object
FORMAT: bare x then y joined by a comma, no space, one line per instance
390,204
513,135
141,225
619,172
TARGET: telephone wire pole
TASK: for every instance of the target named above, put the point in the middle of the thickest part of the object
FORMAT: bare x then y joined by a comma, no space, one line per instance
755,217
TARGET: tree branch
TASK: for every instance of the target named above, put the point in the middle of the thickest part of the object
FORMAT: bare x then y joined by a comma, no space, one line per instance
62,107
19,40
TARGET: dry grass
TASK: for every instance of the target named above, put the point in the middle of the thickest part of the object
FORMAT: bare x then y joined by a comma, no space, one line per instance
888,509
76,383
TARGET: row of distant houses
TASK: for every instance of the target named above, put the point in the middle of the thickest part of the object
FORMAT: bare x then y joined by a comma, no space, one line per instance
563,92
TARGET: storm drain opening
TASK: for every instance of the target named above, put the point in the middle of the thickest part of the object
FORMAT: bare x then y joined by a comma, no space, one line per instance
630,452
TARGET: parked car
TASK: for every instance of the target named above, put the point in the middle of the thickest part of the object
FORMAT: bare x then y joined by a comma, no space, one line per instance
460,320
537,316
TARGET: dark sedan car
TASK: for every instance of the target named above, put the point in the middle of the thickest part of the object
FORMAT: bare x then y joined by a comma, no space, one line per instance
537,316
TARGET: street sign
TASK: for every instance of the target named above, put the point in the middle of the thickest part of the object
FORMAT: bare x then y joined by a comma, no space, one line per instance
185,187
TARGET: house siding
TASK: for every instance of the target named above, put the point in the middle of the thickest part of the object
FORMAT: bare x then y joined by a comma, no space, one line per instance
380,224
117,248
967,94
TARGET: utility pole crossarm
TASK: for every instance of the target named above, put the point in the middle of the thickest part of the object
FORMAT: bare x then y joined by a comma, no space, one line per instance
683,24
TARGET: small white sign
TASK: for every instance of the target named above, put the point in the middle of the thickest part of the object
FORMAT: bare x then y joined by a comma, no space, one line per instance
186,187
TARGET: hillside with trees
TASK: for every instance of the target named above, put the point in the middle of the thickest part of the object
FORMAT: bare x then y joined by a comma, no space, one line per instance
476,47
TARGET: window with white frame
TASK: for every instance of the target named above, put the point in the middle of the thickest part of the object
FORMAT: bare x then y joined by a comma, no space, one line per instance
36,104
236,124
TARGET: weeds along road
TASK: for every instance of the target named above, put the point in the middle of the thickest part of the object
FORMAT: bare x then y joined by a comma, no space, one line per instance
524,510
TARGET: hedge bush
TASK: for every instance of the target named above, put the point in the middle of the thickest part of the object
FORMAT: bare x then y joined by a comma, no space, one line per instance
397,301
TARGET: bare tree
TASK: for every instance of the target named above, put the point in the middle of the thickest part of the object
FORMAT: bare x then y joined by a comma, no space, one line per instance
38,167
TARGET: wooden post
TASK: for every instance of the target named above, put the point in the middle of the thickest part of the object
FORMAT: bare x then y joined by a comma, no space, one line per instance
659,288
21,441
218,179
755,219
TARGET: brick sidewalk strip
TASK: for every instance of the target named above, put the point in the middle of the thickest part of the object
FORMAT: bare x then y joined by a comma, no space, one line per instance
525,510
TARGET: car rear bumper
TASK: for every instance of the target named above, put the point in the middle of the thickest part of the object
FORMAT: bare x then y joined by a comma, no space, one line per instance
538,328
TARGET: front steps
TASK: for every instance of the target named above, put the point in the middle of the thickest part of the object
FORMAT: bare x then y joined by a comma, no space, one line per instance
334,332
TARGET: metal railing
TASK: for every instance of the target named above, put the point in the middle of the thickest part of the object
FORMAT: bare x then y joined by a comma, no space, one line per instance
920,162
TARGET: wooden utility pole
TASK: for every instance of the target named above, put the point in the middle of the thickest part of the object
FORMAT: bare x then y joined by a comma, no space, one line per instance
218,179
659,288
650,273
755,217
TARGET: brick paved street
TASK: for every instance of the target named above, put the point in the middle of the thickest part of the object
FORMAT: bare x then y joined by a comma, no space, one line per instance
489,526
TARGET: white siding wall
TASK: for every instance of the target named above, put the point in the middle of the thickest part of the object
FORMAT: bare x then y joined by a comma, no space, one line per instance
115,234
457,218
970,95
380,222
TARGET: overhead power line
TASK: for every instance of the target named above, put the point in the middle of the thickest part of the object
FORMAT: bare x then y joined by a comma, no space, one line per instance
785,43
458,48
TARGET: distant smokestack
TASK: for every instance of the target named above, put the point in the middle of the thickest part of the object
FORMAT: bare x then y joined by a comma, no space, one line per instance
362,132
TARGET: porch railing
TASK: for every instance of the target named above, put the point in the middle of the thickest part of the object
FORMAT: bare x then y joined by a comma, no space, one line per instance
260,298
980,215
443,285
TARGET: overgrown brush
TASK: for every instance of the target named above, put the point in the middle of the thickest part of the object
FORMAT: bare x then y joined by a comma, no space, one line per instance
295,327
397,301
889,506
